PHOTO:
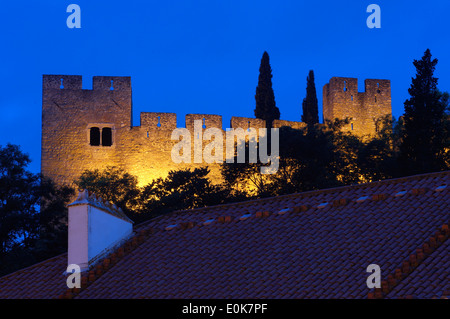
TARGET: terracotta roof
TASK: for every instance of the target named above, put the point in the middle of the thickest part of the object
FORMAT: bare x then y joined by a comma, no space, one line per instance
44,280
430,279
309,245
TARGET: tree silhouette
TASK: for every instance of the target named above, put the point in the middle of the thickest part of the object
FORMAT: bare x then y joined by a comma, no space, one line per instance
33,213
266,108
424,136
18,199
310,105
112,184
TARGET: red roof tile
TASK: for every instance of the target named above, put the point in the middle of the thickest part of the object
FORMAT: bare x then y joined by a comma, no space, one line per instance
431,278
42,280
303,252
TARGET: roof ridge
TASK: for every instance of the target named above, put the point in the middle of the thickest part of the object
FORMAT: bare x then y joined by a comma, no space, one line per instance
410,265
317,191
302,207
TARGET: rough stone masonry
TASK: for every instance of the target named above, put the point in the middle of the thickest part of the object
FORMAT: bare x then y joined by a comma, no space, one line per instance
92,129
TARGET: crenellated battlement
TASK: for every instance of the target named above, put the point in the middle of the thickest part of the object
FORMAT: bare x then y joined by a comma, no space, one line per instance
75,82
62,82
158,121
341,99
208,121
111,83
92,128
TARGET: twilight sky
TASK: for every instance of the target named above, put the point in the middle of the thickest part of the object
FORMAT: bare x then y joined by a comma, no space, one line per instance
203,56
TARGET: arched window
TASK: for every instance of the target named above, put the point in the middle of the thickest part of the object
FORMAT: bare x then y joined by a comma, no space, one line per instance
100,135
106,136
94,136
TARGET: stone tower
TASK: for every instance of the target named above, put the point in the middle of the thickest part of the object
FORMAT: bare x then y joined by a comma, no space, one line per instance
341,100
92,129
80,127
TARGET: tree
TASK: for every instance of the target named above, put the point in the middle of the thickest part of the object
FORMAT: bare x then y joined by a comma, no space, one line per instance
425,138
446,96
245,179
114,185
53,201
310,105
377,157
18,200
182,189
33,213
314,158
266,108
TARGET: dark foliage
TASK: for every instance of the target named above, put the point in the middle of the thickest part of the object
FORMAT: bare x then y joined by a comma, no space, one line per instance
310,104
33,213
183,189
114,185
425,139
266,108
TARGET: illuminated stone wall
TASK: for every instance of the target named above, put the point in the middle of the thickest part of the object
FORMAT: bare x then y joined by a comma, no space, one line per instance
341,100
69,112
292,124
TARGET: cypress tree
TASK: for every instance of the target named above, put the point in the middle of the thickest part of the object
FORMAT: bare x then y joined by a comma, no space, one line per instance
424,136
266,108
310,105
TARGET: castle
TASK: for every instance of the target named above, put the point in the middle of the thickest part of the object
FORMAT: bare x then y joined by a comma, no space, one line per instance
91,129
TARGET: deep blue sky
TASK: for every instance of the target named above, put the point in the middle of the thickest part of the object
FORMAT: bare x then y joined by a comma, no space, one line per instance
203,56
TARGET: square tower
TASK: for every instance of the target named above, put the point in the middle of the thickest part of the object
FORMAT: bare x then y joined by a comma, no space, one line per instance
80,126
341,100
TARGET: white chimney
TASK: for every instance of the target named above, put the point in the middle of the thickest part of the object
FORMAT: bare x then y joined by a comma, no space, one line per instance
95,229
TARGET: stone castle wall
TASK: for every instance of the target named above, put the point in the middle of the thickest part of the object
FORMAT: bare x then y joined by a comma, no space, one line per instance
69,112
341,99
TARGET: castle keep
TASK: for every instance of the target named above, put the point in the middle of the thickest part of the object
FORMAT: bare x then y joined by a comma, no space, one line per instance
92,129
341,100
